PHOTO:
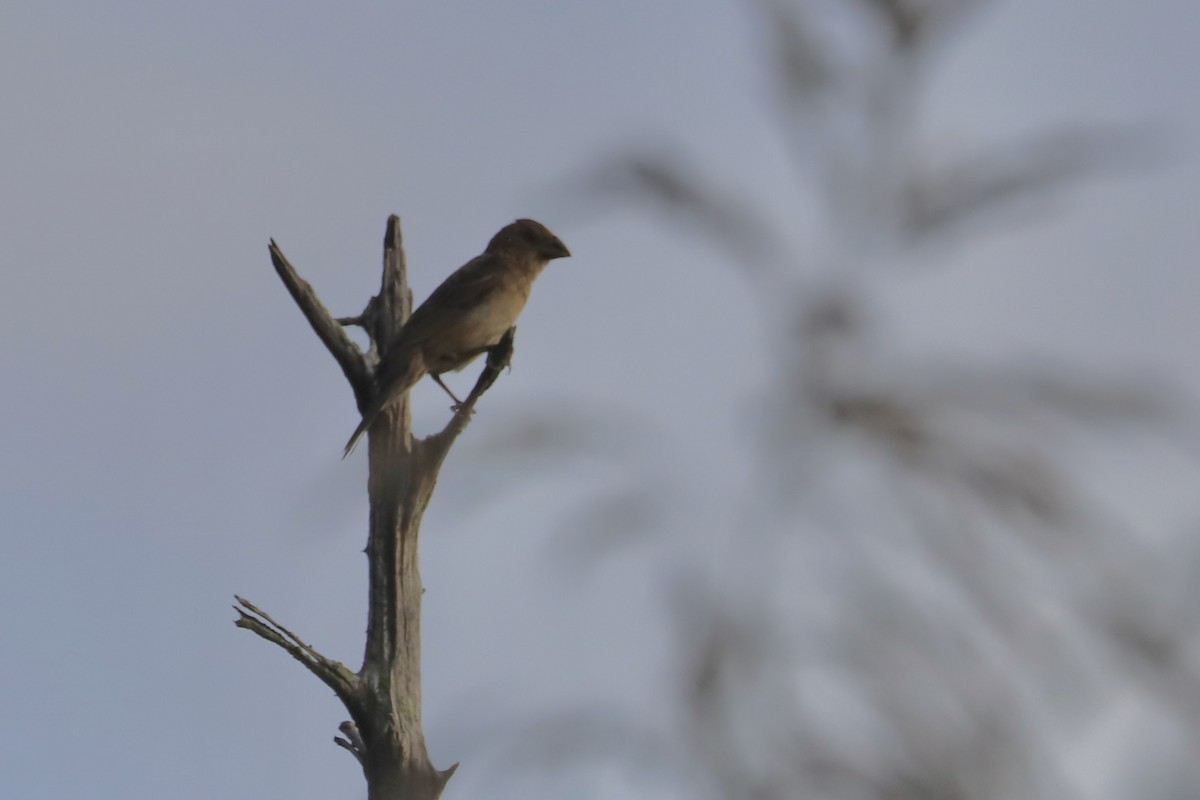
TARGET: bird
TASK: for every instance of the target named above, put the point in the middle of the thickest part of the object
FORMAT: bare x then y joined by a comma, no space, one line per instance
466,315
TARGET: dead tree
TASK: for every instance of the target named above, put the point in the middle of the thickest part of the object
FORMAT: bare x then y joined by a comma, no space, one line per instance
384,697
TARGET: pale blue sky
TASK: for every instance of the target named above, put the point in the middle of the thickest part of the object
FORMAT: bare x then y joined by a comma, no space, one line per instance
171,428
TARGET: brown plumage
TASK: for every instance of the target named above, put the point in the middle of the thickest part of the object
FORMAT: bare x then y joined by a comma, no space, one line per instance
467,315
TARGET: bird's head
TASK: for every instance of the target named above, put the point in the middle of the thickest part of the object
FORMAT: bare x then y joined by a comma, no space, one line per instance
528,236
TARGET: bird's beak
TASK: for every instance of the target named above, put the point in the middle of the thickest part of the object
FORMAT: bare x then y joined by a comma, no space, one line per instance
556,249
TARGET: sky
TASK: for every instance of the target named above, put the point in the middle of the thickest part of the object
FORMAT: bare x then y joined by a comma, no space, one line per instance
172,429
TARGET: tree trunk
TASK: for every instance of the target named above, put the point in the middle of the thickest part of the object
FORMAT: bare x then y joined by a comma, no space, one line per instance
384,696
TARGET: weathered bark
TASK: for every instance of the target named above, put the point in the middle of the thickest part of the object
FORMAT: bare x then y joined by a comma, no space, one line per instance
384,697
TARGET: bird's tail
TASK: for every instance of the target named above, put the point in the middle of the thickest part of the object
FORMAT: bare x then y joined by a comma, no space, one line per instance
390,388
360,430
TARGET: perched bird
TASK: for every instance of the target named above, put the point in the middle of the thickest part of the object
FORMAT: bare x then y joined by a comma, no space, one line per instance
465,316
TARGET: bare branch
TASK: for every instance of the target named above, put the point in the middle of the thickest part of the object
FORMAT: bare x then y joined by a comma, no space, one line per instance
387,311
333,673
499,359
328,330
353,741
345,745
434,448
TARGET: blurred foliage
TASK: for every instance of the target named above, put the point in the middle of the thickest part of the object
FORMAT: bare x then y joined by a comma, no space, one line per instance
926,597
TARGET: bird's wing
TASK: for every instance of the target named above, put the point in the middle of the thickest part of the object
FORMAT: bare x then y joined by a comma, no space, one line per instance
465,289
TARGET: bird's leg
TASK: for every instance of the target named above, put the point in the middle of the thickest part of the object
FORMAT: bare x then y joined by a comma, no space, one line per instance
457,403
